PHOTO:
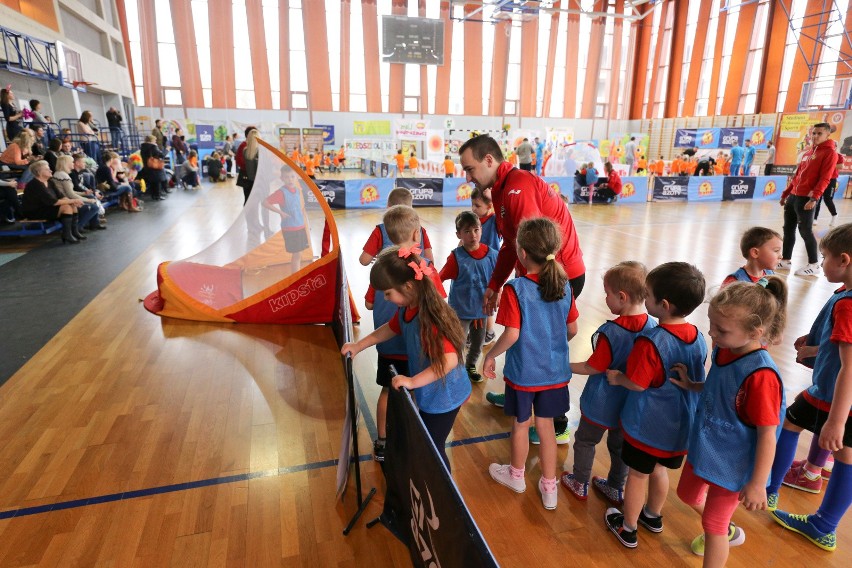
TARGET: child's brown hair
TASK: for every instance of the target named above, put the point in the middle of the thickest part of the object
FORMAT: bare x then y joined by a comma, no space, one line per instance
756,237
838,240
391,271
764,303
541,240
680,283
628,277
467,219
401,221
479,193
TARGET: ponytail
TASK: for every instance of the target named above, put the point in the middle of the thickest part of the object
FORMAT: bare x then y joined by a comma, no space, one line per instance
541,240
765,303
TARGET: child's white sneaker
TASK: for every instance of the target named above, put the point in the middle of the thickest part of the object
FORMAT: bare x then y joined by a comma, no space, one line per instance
502,475
784,265
548,497
833,219
812,269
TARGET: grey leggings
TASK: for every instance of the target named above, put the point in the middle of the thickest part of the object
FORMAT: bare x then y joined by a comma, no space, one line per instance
586,438
475,329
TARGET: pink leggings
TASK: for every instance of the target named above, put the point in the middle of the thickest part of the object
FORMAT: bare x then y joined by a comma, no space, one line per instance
719,503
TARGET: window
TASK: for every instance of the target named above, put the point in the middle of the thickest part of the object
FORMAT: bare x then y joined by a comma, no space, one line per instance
243,74
135,49
201,21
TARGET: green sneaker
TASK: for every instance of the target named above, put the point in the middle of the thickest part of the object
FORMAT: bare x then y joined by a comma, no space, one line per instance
771,501
496,398
802,524
736,536
562,438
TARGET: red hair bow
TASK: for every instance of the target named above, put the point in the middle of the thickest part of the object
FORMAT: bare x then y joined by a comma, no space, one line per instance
405,252
421,269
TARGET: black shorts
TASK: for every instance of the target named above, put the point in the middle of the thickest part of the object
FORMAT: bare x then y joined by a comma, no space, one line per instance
643,462
383,373
550,403
295,241
807,416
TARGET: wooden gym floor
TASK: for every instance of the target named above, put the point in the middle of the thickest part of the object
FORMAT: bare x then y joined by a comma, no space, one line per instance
134,441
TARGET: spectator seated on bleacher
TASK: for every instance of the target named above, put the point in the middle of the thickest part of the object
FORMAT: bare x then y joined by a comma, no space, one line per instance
111,184
54,150
37,149
215,169
189,171
61,182
153,169
17,155
10,206
80,177
87,127
44,203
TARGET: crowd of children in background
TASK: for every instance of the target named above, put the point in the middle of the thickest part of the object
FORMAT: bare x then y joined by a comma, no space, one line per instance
647,389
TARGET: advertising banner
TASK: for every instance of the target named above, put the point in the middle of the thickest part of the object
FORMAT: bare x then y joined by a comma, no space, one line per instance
842,183
312,139
204,136
368,193
634,189
408,129
732,137
289,139
794,135
708,137
371,127
327,133
671,188
457,192
734,188
684,138
334,191
581,194
562,185
435,150
426,192
769,187
705,188
759,135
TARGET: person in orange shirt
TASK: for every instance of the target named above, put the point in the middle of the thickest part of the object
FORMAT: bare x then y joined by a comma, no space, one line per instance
335,162
400,161
296,156
660,167
318,161
674,167
449,167
641,165
310,167
412,163
723,166
341,157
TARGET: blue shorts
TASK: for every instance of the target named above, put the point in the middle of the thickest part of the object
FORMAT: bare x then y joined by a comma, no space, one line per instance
549,403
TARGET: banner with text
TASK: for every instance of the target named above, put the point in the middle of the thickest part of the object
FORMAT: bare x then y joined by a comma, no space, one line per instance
334,191
426,192
289,139
312,139
723,137
734,188
562,185
327,133
457,192
794,136
671,188
705,188
368,193
407,129
371,127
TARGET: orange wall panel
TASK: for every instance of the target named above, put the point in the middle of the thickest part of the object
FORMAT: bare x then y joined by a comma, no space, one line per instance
700,42
442,82
190,75
572,62
42,11
529,67
593,64
551,61
640,70
773,59
150,57
736,70
810,48
316,55
284,62
676,61
397,70
259,59
472,66
717,64
371,55
658,60
615,65
499,69
222,54
344,55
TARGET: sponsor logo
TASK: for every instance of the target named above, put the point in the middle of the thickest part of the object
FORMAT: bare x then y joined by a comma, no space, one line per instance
424,520
514,191
770,188
740,188
421,193
707,138
369,194
686,139
706,188
628,189
291,296
758,137
731,139
205,137
463,192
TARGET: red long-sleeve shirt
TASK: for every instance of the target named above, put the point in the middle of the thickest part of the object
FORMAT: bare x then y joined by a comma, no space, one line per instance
814,171
518,195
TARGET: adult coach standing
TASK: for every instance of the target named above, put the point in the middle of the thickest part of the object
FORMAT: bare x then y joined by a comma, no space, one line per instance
539,155
811,179
525,152
518,195
630,154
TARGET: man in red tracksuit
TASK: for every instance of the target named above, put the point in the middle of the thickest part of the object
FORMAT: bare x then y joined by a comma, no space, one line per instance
518,195
799,199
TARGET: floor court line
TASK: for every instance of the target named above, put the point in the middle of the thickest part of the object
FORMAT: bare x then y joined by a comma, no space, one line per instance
140,493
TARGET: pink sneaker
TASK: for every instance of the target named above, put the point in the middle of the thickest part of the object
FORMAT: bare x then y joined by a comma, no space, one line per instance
829,465
797,479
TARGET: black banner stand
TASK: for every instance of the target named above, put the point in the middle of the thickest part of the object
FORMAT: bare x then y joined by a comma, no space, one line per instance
355,456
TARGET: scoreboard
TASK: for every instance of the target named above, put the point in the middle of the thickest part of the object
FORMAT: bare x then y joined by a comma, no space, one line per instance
412,40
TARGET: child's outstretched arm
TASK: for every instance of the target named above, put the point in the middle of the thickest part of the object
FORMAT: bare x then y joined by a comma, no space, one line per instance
382,334
831,437
366,258
508,338
427,375
753,495
584,369
683,380
618,379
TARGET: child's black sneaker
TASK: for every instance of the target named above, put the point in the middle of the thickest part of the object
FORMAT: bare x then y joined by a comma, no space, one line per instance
379,449
614,520
473,375
653,524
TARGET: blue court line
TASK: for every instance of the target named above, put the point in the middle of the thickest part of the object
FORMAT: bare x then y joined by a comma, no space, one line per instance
139,493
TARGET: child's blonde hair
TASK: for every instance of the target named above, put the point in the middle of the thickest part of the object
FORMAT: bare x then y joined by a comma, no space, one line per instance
628,277
391,271
838,240
764,303
400,196
401,221
541,240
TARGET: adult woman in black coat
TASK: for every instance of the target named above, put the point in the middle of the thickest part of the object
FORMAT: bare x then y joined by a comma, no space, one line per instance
42,202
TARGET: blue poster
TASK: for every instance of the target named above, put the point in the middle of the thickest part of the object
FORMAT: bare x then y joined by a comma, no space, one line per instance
672,188
769,188
634,189
732,137
368,193
705,188
707,137
684,138
456,192
737,187
204,137
562,185
327,134
759,135
334,191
